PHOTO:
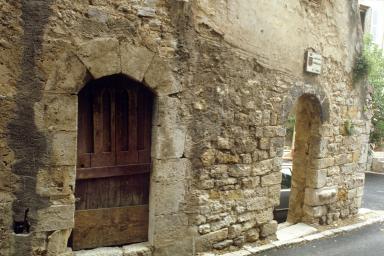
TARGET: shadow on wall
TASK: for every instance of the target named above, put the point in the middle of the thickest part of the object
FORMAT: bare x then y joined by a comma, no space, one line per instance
28,144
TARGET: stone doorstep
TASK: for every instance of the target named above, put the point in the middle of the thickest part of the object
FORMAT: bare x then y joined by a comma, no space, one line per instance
294,231
140,249
366,217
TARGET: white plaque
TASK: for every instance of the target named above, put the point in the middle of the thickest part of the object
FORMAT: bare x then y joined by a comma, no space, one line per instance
313,62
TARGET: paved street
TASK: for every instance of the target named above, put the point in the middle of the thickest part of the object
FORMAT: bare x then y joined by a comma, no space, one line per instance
374,192
366,241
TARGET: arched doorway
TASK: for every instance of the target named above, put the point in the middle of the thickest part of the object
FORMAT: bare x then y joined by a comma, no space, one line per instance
298,169
113,163
306,147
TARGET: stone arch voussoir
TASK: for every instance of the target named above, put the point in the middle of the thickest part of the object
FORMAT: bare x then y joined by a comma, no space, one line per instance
315,91
108,56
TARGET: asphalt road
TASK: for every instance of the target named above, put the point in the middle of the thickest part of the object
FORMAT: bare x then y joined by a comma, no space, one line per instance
367,241
374,192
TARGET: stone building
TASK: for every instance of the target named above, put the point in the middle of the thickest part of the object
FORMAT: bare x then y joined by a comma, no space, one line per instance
129,121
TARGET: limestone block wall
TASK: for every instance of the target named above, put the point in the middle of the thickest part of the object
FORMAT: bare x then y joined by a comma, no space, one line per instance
225,75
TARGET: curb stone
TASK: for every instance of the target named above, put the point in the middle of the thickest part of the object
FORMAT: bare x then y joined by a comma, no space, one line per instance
249,250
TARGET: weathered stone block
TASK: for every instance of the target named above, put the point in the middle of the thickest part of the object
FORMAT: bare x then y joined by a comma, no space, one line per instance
262,167
170,170
234,231
357,201
352,193
207,184
269,131
208,157
316,178
104,251
97,52
56,217
224,143
206,241
239,170
56,112
183,246
166,111
274,195
169,228
264,143
168,142
239,241
223,244
160,78
359,179
334,170
226,181
219,171
268,229
256,203
135,60
359,191
266,117
243,217
348,168
271,179
63,146
226,158
251,182
246,158
6,196
341,159
204,229
57,242
252,235
60,82
140,249
322,163
256,117
146,12
167,196
281,131
6,212
264,216
56,181
314,197
316,211
67,253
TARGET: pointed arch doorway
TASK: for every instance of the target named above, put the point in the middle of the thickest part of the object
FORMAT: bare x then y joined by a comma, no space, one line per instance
114,162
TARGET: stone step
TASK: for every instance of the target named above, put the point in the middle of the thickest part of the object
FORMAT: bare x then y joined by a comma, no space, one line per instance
141,249
294,231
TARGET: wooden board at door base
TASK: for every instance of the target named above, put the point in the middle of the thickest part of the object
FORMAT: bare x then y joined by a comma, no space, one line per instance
116,226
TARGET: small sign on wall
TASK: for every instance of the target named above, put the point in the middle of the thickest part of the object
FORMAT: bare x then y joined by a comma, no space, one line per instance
313,62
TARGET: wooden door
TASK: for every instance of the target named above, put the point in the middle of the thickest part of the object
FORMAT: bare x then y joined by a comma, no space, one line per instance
112,179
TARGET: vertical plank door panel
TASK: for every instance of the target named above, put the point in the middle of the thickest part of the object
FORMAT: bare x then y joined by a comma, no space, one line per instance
112,180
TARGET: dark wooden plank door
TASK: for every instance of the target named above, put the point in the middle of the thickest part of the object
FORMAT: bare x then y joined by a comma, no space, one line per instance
114,162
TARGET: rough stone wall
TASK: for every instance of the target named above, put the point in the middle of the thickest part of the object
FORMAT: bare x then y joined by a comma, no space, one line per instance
225,75
243,100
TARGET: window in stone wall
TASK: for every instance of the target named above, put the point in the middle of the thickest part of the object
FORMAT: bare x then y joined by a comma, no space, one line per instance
365,17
